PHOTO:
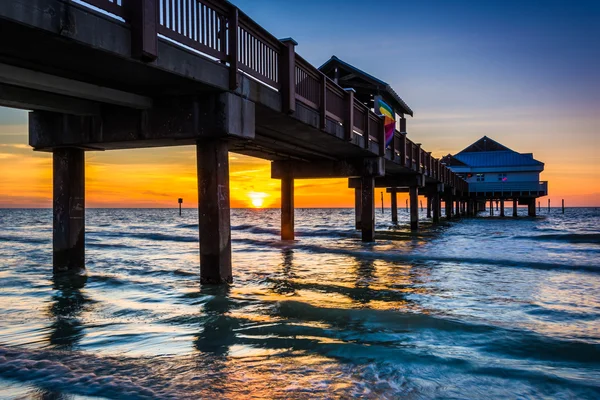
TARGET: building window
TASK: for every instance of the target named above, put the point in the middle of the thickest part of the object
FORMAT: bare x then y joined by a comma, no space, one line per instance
480,177
502,177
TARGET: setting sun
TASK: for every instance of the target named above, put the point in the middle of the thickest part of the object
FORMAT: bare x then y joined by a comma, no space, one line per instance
257,199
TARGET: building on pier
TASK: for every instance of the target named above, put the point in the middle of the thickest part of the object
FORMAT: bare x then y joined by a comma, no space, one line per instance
496,173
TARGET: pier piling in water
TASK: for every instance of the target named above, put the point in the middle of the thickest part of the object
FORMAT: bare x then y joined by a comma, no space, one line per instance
180,201
563,206
548,206
414,208
429,206
213,211
514,213
287,206
502,207
436,204
394,197
357,208
68,208
367,217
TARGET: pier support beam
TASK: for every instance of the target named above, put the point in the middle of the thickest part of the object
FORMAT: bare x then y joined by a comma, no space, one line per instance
531,208
68,231
435,200
457,205
357,207
414,208
502,207
213,211
491,208
514,208
287,207
429,206
394,195
367,217
448,205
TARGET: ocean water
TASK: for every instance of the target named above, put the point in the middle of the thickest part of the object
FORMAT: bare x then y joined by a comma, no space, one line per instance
476,308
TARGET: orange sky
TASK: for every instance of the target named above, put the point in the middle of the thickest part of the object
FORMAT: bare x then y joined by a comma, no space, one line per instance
157,177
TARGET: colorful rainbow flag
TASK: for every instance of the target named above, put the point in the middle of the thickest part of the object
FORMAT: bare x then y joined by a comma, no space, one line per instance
389,119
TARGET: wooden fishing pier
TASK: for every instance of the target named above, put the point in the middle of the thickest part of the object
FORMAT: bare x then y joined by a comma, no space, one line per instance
102,75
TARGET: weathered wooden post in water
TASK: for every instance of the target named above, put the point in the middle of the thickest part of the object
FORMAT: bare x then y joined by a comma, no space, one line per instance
548,206
180,201
414,207
563,206
68,239
502,207
514,214
394,198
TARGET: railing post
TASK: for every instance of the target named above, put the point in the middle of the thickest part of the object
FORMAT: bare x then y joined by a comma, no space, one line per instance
144,29
349,118
232,34
323,105
367,129
403,148
419,155
287,74
382,136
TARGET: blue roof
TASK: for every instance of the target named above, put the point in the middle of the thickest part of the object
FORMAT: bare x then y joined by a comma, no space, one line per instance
506,158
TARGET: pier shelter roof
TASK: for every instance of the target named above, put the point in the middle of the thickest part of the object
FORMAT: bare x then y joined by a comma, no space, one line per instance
366,85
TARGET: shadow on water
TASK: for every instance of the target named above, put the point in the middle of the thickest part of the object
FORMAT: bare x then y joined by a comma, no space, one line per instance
68,302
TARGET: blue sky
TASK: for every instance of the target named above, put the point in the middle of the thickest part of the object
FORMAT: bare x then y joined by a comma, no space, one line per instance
454,54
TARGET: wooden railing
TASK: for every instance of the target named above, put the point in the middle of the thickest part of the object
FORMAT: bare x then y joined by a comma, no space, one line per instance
220,30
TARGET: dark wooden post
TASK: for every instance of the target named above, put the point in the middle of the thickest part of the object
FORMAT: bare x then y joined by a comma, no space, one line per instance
531,207
381,136
357,208
457,205
213,211
287,206
502,207
436,203
414,207
144,29
394,195
563,206
367,130
491,207
402,148
548,206
180,201
448,204
68,231
288,75
514,208
428,206
323,105
368,209
349,120
232,38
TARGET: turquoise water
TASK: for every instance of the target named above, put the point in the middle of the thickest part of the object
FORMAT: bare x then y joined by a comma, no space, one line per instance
477,308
